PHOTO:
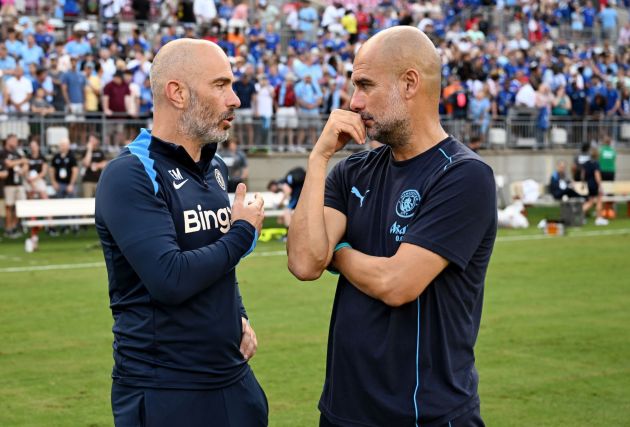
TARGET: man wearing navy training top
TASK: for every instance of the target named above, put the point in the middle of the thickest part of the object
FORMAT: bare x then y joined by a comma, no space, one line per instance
410,226
171,242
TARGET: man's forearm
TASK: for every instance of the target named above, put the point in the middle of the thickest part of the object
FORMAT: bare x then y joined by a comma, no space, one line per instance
308,246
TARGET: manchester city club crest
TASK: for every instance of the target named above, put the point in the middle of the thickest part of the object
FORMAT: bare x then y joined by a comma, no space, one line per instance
219,179
408,203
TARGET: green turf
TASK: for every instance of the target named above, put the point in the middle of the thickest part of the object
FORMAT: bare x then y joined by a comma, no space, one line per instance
553,349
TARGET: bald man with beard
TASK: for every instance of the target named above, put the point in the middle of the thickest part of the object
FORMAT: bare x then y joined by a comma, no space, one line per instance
410,227
182,339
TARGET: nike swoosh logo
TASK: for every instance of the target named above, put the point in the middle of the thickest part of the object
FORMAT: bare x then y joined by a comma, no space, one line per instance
180,185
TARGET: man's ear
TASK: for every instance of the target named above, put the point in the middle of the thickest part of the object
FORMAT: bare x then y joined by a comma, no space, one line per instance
176,93
411,83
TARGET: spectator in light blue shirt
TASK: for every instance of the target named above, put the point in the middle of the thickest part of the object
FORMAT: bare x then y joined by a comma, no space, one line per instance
78,46
7,63
608,18
308,97
14,46
308,19
73,84
31,52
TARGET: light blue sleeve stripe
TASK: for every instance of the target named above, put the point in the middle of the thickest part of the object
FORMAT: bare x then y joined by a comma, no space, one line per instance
251,249
140,148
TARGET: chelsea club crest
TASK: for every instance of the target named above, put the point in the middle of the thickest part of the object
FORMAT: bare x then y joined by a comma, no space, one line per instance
408,203
219,179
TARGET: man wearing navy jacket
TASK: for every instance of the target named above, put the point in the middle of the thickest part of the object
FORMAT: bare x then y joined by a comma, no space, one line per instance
410,226
171,243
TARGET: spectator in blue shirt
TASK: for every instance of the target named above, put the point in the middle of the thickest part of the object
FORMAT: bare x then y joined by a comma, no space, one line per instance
589,15
613,100
146,99
308,97
42,37
78,46
7,63
13,44
171,34
73,86
136,39
308,19
608,18
31,52
272,38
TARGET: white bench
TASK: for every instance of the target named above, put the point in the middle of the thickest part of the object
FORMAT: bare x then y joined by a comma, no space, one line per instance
614,192
80,211
53,212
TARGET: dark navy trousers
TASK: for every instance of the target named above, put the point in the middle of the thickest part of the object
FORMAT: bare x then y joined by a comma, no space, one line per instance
242,404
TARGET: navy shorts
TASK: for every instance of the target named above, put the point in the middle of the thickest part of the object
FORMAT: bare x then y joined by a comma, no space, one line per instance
469,419
242,404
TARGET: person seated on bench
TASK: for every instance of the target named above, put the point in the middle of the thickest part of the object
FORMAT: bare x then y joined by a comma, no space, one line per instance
291,185
560,185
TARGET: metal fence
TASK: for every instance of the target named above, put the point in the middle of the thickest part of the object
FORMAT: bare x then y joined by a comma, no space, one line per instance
299,135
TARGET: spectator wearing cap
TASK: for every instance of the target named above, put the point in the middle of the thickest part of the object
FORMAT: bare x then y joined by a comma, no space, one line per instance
308,96
7,62
73,86
286,114
13,44
31,52
19,90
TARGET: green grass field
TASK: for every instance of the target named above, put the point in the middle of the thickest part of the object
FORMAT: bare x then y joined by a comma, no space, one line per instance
553,350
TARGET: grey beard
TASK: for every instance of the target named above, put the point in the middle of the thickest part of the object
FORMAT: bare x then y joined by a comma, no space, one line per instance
396,134
197,123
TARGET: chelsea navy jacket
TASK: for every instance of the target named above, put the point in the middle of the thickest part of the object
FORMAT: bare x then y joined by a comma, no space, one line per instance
171,252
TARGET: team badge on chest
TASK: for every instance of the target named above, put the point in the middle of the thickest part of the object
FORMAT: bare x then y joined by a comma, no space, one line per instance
408,203
219,178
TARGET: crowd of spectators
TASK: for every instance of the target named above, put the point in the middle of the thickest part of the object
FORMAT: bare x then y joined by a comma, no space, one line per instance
293,62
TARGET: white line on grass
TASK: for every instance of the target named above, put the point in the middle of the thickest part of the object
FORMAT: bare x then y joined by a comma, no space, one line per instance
51,267
98,264
593,233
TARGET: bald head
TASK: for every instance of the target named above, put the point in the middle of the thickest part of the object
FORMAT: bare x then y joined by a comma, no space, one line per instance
183,60
401,48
